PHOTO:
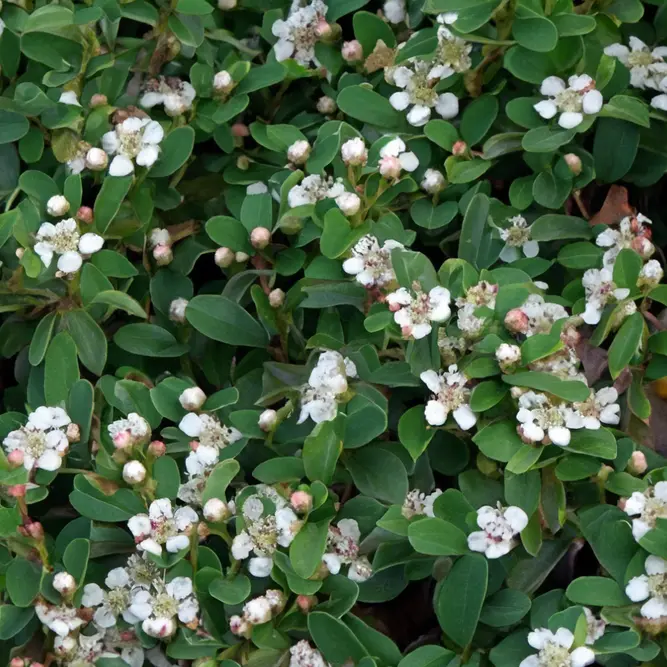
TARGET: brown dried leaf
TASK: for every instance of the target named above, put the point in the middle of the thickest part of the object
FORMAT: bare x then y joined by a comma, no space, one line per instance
616,207
593,359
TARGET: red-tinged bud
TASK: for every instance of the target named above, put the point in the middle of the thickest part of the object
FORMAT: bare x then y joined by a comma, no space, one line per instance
306,602
322,29
352,51
122,440
516,321
260,237
240,130
35,530
16,458
17,490
301,501
637,464
85,215
573,163
459,148
194,445
98,100
157,448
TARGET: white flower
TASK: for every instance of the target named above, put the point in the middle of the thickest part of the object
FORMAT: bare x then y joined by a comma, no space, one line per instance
257,611
650,275
555,650
209,431
508,355
414,314
632,232
453,53
318,405
42,442
600,290
129,431
176,599
177,310
134,472
312,189
135,140
63,239
539,314
64,583
417,82
298,152
70,98
223,81
433,181
651,587
163,527
302,654
343,549
572,101
647,507
450,394
500,526
517,237
175,95
360,570
349,203
595,626
192,398
60,619
57,206
370,263
600,408
159,236
353,152
395,149
470,320
297,34
648,68
111,603
418,503
539,417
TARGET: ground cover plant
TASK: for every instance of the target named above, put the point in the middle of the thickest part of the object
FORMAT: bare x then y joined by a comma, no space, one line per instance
333,333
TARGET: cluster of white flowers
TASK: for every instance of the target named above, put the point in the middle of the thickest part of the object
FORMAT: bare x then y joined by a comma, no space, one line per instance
648,68
326,384
163,528
343,549
555,650
482,295
535,316
573,100
394,156
563,363
64,239
415,312
302,654
450,394
517,240
600,408
647,507
371,263
600,290
60,619
314,188
417,503
257,611
651,587
499,528
264,531
130,431
542,418
176,95
42,442
298,34
86,650
133,141
632,232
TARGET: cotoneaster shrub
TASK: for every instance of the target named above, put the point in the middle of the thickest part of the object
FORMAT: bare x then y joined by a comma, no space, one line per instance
333,333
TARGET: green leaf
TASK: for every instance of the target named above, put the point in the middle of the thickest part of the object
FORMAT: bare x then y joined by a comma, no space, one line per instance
478,118
165,472
75,558
473,230
13,620
553,227
600,443
61,369
219,479
174,152
498,441
581,255
424,214
308,547
569,390
281,469
442,133
487,394
334,639
230,591
413,431
148,340
91,343
366,105
194,7
224,320
505,608
536,33
435,537
321,450
459,599
41,339
614,148
427,656
378,473
23,581
13,126
596,591
546,139
625,107
625,344
120,300
109,200
338,236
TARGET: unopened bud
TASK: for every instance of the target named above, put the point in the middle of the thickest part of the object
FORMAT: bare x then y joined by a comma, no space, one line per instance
390,167
157,448
516,321
16,662
642,246
64,583
223,81
268,420
96,159
301,501
98,100
260,237
306,602
122,440
73,433
240,130
192,398
433,181
322,29
637,464
177,310
459,148
35,530
349,203
354,152
163,255
290,224
276,298
57,206
242,162
20,252
326,105
216,510
16,458
298,152
241,257
17,490
226,4
134,472
224,257
573,163
85,215
352,51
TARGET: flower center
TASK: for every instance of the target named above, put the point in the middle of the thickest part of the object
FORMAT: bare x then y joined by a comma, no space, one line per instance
657,584
454,52
641,59
421,91
553,655
569,100
162,529
164,606
653,510
118,600
35,443
263,533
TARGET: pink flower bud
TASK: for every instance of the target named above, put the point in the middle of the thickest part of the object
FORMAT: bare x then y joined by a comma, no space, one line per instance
17,490
390,167
194,445
163,254
306,602
352,51
240,130
85,215
406,331
459,148
642,246
322,29
35,530
260,237
637,464
157,448
122,440
301,501
574,163
516,321
224,257
98,100
16,662
16,458
394,307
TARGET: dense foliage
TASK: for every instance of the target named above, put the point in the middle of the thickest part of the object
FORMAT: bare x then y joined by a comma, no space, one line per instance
333,333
